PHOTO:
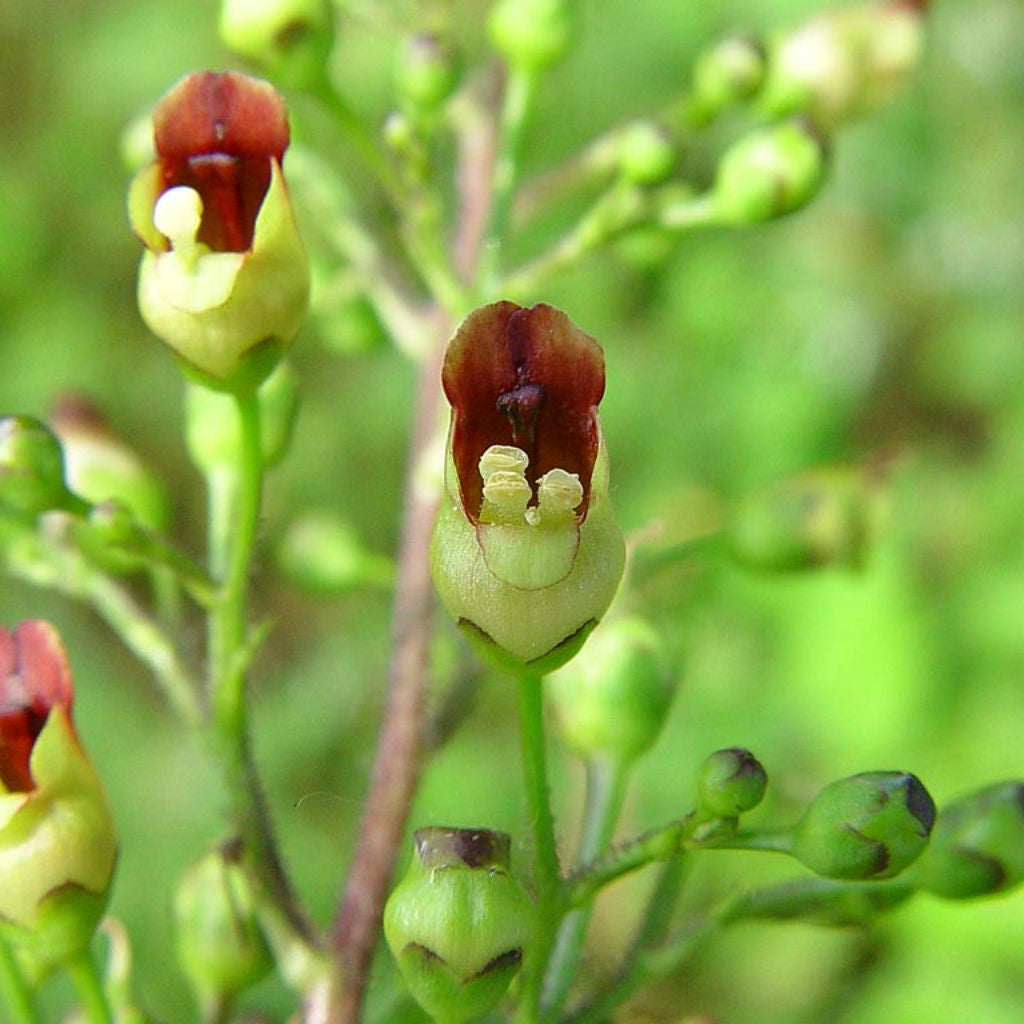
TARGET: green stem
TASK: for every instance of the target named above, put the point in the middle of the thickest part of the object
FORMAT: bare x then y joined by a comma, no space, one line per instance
547,873
606,782
229,654
62,568
648,561
519,91
16,994
86,977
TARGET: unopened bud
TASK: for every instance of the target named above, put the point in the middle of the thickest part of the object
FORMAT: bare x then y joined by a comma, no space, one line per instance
872,825
730,72
322,553
100,466
646,155
731,782
459,922
532,34
771,172
613,697
427,73
220,945
822,517
31,467
978,845
844,62
289,38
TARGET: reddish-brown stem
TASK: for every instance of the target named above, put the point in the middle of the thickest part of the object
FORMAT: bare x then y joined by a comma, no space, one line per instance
400,744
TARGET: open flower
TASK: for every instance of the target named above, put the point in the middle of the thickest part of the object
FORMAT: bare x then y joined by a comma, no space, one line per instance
225,280
526,553
57,843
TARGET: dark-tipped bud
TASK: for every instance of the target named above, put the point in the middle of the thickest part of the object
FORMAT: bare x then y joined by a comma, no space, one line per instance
978,845
822,517
731,782
220,945
613,697
871,825
31,467
769,173
458,922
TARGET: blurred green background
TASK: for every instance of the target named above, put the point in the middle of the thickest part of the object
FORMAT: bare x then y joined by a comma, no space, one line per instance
888,316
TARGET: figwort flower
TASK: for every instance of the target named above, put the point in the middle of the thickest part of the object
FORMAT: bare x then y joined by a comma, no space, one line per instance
526,554
225,280
57,843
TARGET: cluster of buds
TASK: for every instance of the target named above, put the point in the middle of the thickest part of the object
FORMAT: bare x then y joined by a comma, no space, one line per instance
224,280
57,841
526,554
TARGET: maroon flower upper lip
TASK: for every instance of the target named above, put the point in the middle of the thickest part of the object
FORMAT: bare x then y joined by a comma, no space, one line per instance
34,678
527,377
219,134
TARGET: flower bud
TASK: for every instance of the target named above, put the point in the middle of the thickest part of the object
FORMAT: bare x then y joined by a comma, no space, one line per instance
213,432
100,466
31,467
871,825
526,554
427,73
646,155
844,62
220,945
532,34
291,39
978,845
731,71
57,843
821,517
458,923
769,173
224,281
731,782
322,553
612,699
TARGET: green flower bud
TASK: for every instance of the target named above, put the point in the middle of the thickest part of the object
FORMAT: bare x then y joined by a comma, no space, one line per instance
532,34
213,432
458,922
57,842
291,39
427,73
646,155
100,466
731,71
613,698
31,467
978,845
866,826
844,62
526,553
821,517
769,173
224,281
220,945
323,553
731,782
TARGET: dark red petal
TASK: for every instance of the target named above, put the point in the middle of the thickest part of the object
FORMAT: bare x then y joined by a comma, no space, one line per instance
219,133
34,678
528,377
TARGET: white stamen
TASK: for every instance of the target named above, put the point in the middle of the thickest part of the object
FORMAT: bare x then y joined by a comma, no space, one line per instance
177,215
559,494
503,458
506,495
